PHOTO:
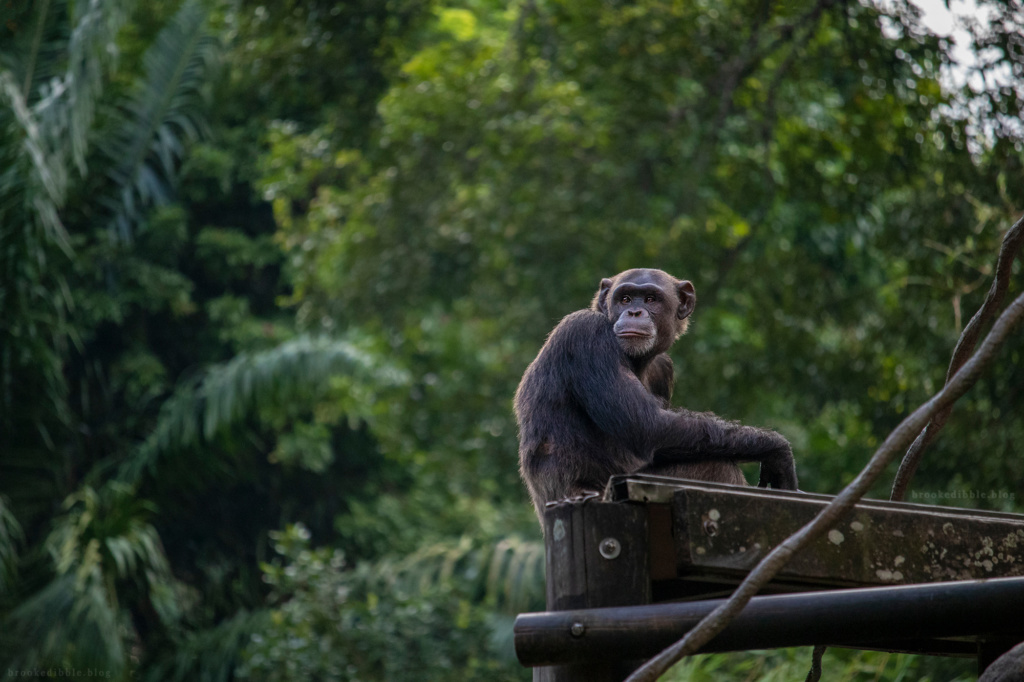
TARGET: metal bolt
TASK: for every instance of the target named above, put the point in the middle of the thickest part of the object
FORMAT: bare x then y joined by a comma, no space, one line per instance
609,548
577,629
711,528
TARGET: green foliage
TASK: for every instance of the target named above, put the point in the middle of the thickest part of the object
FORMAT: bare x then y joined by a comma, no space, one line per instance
363,624
799,164
102,547
81,360
312,61
793,664
311,302
506,574
69,624
53,66
226,394
563,142
46,135
146,138
11,535
209,655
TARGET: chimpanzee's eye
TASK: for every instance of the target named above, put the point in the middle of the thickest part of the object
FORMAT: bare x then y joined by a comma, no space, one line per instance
625,300
649,298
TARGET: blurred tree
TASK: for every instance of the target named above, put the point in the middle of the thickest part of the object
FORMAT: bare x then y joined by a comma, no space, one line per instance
123,542
428,614
836,207
80,167
312,301
110,304
836,210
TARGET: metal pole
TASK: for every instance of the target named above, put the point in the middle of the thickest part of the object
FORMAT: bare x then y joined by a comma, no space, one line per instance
877,617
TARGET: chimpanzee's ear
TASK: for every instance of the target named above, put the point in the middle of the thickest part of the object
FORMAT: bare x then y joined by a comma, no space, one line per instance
687,299
600,302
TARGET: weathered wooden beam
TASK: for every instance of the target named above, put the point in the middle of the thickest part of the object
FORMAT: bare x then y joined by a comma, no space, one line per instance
720,532
903,618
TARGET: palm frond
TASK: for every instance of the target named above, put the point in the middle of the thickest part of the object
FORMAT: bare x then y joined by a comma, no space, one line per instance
34,299
32,58
289,373
91,48
11,535
115,519
507,574
46,115
102,540
148,134
34,182
68,623
517,575
209,655
92,39
56,112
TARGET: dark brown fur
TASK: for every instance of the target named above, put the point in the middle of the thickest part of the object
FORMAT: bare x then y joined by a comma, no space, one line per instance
595,401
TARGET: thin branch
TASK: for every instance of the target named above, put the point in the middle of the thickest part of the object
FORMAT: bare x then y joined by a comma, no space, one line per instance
964,347
815,673
899,439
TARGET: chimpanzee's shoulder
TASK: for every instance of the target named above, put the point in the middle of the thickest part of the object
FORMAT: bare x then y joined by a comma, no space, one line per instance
582,321
583,332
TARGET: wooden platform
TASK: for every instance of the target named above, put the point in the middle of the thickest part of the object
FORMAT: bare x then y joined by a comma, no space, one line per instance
661,541
719,532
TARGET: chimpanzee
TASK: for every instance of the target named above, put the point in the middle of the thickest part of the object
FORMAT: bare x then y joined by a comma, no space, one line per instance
595,401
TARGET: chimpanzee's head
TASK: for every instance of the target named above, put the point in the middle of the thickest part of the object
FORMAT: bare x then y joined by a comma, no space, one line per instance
648,308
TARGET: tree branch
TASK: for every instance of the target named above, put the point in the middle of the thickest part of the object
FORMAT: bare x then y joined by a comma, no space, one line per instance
899,439
964,347
814,675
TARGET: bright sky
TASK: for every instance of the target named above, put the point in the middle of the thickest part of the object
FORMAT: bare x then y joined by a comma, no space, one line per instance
938,18
941,21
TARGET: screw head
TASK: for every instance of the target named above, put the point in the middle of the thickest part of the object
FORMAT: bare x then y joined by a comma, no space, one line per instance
577,629
609,548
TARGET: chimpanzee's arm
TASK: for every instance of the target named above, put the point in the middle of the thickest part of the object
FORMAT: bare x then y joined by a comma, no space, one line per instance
614,399
621,406
705,436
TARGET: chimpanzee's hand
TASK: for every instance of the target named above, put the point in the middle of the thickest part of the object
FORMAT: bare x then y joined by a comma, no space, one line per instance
779,469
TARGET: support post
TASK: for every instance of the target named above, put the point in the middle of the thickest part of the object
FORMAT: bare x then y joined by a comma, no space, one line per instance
596,556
